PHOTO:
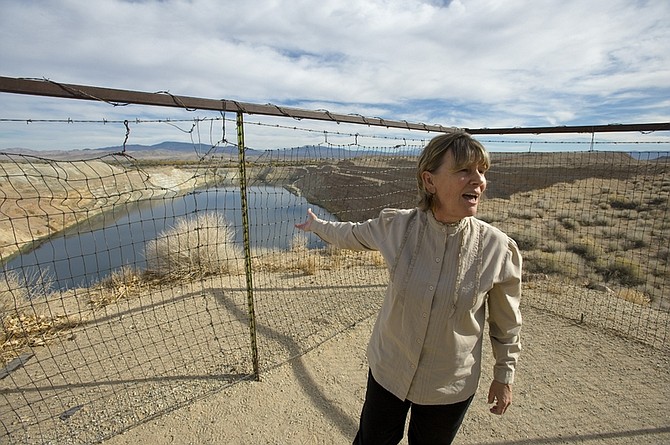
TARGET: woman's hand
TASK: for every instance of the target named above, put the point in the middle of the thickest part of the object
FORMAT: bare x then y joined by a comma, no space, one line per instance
307,225
501,395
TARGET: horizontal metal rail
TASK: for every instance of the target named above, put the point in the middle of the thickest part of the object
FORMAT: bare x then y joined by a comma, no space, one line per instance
45,87
609,128
54,89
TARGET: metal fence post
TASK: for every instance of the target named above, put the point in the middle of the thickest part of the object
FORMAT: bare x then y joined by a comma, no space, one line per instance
247,244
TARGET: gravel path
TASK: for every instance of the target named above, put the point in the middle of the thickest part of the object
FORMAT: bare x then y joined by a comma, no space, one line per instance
576,384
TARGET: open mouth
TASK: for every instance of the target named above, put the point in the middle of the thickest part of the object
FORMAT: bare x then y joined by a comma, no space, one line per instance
472,197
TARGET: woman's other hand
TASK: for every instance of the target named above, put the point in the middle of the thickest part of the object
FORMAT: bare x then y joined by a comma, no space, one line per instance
501,395
307,225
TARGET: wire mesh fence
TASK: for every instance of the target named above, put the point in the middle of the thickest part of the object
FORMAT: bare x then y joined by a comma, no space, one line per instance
131,284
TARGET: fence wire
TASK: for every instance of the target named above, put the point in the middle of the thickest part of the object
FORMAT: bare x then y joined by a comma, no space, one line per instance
124,291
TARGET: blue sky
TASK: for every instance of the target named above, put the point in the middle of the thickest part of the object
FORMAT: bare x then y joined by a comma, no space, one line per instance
466,63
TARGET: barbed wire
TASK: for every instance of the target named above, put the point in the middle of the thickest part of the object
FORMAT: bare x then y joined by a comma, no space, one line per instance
195,121
79,93
589,142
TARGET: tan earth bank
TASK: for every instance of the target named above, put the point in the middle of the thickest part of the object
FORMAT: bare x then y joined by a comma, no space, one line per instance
42,199
577,383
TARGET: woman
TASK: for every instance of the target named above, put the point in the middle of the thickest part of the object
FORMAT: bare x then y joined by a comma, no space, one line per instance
445,268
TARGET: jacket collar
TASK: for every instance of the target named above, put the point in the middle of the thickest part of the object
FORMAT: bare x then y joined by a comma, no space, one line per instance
449,228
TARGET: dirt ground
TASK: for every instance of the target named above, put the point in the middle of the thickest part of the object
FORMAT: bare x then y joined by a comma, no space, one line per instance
575,384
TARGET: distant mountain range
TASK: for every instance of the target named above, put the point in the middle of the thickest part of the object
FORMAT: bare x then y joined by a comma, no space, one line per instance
163,150
187,151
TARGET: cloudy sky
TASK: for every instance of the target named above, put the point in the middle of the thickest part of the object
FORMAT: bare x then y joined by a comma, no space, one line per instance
466,63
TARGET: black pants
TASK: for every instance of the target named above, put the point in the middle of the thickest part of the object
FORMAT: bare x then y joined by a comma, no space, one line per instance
383,419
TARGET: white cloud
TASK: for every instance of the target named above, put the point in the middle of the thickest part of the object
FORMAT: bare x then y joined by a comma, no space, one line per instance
468,63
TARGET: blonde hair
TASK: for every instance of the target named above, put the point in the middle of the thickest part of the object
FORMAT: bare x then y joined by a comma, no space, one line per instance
466,150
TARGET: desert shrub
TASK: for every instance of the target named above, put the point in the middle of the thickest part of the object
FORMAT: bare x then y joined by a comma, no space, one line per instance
24,318
377,259
559,263
490,217
18,291
125,276
308,264
528,214
624,204
634,242
634,296
629,214
615,245
299,242
121,284
335,255
552,246
263,259
525,241
588,249
616,234
625,271
656,216
595,220
558,232
542,262
658,269
310,261
333,251
659,201
306,261
195,247
543,204
567,221
12,293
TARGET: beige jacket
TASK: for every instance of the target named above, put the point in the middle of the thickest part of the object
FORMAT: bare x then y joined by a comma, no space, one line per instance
427,341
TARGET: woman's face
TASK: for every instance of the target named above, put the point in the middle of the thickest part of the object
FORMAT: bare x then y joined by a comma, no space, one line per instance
456,192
